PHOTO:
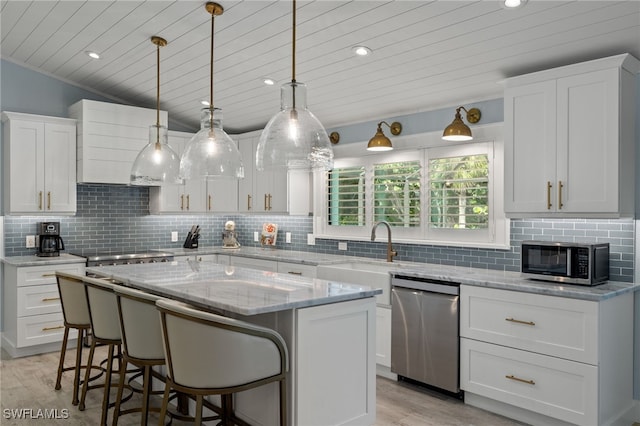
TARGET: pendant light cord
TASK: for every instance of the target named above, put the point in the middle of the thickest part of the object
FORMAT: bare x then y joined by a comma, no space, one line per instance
293,57
158,90
211,68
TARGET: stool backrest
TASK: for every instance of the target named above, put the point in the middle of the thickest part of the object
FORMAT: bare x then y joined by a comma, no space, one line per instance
205,350
73,300
139,324
103,308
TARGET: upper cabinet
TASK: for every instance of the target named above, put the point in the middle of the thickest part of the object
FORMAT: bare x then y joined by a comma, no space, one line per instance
39,164
259,191
110,136
569,140
195,195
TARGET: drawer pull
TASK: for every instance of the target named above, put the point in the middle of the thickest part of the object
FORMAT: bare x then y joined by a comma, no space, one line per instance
518,379
48,275
294,273
520,322
50,299
52,328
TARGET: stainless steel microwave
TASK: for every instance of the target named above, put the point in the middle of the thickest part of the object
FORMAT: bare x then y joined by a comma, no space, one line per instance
572,263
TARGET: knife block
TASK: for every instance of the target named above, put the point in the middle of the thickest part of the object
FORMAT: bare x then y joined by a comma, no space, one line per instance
191,242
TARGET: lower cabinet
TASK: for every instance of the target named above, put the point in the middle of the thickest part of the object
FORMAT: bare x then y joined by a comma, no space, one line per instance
32,314
197,257
547,358
248,262
297,269
383,336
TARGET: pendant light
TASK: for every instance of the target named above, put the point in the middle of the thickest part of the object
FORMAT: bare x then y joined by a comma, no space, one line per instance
294,139
211,153
157,164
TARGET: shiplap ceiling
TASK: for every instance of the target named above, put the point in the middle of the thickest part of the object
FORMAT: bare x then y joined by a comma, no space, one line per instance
426,54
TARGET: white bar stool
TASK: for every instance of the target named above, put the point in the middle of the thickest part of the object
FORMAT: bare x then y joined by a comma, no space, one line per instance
76,316
209,354
142,345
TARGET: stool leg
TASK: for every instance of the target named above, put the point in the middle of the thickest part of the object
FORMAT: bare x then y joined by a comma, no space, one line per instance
283,403
227,409
87,375
165,402
116,409
63,352
146,390
76,374
198,419
107,386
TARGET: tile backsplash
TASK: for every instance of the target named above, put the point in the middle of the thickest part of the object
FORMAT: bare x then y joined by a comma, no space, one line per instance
111,216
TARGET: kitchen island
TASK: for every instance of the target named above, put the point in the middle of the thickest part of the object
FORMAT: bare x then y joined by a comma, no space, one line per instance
329,328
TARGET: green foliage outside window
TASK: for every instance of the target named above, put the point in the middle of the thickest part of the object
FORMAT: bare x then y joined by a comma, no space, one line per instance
396,193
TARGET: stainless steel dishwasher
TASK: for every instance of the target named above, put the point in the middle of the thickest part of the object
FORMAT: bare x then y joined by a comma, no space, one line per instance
425,344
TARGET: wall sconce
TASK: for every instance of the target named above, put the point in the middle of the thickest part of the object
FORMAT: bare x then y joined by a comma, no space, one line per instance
457,130
379,142
334,137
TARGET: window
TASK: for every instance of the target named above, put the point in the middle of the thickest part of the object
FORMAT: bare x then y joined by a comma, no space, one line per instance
443,195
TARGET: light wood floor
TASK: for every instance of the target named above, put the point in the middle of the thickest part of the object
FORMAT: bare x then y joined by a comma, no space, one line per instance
28,383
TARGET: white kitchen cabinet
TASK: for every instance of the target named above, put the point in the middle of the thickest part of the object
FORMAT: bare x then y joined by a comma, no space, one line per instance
32,314
569,140
541,359
383,336
260,191
39,164
251,263
194,195
109,138
297,269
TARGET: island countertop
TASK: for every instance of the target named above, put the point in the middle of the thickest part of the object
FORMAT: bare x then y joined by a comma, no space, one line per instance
231,289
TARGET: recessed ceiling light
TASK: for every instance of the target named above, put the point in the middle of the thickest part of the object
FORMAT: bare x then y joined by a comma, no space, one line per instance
93,55
361,50
512,4
268,81
205,103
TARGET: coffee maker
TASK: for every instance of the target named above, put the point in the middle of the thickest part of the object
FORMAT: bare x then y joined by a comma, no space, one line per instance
50,241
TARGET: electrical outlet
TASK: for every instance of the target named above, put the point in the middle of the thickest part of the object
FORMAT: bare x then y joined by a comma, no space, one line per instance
255,237
31,241
342,246
287,237
311,240
174,236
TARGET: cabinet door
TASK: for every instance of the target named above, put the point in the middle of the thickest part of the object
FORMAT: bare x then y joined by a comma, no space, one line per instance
222,195
195,194
587,142
297,269
246,202
383,336
25,164
60,168
530,148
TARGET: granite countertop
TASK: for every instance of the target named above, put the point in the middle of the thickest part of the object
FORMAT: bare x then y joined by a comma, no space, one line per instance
513,281
34,260
266,253
229,289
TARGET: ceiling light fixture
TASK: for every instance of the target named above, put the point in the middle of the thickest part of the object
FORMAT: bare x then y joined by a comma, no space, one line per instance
205,103
211,153
512,4
457,130
268,81
379,142
157,164
92,55
361,50
294,139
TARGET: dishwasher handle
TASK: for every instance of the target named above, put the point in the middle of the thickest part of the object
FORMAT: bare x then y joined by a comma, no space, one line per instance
426,284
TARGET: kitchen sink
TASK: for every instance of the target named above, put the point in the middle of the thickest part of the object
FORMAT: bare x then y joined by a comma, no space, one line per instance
371,273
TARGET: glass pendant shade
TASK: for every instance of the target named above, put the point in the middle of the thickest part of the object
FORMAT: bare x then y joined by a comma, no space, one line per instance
294,139
211,153
157,164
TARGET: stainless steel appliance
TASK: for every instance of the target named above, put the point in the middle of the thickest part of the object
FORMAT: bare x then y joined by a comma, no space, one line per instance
571,263
425,344
50,241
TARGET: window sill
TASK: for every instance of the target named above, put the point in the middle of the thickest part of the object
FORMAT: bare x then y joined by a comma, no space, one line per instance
382,238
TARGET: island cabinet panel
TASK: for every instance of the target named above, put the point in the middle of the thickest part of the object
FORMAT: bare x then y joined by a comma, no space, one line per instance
547,358
32,314
569,140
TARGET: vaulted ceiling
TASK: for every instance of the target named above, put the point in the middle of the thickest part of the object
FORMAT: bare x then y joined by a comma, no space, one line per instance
426,54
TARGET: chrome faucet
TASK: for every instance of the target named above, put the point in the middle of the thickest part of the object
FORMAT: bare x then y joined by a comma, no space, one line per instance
390,252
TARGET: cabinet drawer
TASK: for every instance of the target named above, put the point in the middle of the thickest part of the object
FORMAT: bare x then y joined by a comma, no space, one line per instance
260,264
556,326
297,269
558,388
36,275
38,299
39,329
